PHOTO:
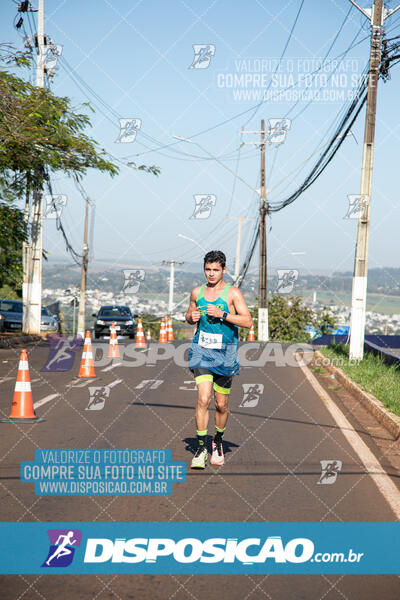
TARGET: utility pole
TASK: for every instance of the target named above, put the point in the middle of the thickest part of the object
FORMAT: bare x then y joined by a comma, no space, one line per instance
32,283
376,15
263,333
172,264
238,244
82,293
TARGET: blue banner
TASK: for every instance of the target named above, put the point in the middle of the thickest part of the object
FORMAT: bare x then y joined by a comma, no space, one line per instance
220,548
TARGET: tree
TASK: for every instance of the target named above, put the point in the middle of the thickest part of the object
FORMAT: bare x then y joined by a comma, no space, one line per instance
288,318
40,133
12,235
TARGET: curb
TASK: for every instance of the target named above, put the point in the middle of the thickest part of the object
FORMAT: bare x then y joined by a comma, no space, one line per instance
20,339
374,406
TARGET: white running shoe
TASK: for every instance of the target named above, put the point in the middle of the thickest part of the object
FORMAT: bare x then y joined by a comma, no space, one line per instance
199,460
217,457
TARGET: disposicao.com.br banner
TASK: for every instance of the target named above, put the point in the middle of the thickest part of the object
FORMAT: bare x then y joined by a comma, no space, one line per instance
149,548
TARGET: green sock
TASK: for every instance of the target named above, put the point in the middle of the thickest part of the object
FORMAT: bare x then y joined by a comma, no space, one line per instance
201,437
219,433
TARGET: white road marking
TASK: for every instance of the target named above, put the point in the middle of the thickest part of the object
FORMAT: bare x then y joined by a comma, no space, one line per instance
4,379
112,366
374,469
44,400
79,385
114,383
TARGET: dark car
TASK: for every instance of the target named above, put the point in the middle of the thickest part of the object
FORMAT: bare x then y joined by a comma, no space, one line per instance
120,315
12,311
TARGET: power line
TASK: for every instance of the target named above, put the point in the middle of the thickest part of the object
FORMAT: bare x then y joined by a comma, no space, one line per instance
279,61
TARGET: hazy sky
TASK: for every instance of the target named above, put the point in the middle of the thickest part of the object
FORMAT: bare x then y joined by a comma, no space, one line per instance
136,57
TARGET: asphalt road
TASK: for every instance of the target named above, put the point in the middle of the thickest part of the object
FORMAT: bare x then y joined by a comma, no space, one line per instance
274,443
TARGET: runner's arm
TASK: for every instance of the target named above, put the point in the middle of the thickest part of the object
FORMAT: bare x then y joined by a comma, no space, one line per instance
192,314
242,318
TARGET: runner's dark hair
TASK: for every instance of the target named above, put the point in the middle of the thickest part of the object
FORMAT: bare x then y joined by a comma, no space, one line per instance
215,256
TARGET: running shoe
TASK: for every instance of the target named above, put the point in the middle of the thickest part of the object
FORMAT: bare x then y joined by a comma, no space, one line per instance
217,457
199,460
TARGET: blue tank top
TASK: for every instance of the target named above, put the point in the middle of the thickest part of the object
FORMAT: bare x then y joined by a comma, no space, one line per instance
214,345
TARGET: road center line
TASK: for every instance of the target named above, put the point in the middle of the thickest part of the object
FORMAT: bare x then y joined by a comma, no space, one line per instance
79,385
112,366
374,469
114,383
44,400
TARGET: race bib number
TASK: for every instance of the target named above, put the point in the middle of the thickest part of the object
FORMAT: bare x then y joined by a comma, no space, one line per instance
210,340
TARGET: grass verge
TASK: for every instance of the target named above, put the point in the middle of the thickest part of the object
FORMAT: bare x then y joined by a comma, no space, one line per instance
372,374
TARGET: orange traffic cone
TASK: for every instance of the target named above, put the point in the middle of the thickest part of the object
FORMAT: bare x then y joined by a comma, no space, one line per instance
170,331
148,335
22,410
140,341
113,348
251,334
87,364
163,334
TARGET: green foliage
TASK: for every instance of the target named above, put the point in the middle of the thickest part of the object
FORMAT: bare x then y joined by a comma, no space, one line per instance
12,236
7,293
287,319
151,322
324,322
371,373
39,130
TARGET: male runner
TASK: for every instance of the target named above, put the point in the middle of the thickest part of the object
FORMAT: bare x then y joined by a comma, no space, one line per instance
218,309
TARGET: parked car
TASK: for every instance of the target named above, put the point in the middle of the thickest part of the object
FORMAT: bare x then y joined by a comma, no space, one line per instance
49,322
12,313
120,315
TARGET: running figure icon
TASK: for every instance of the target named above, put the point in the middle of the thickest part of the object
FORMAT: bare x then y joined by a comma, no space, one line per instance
62,549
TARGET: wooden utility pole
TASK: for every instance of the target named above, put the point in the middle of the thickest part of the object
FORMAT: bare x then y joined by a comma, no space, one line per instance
263,330
84,267
263,334
377,16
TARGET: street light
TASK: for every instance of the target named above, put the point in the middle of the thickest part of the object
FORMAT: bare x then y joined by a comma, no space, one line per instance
185,237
